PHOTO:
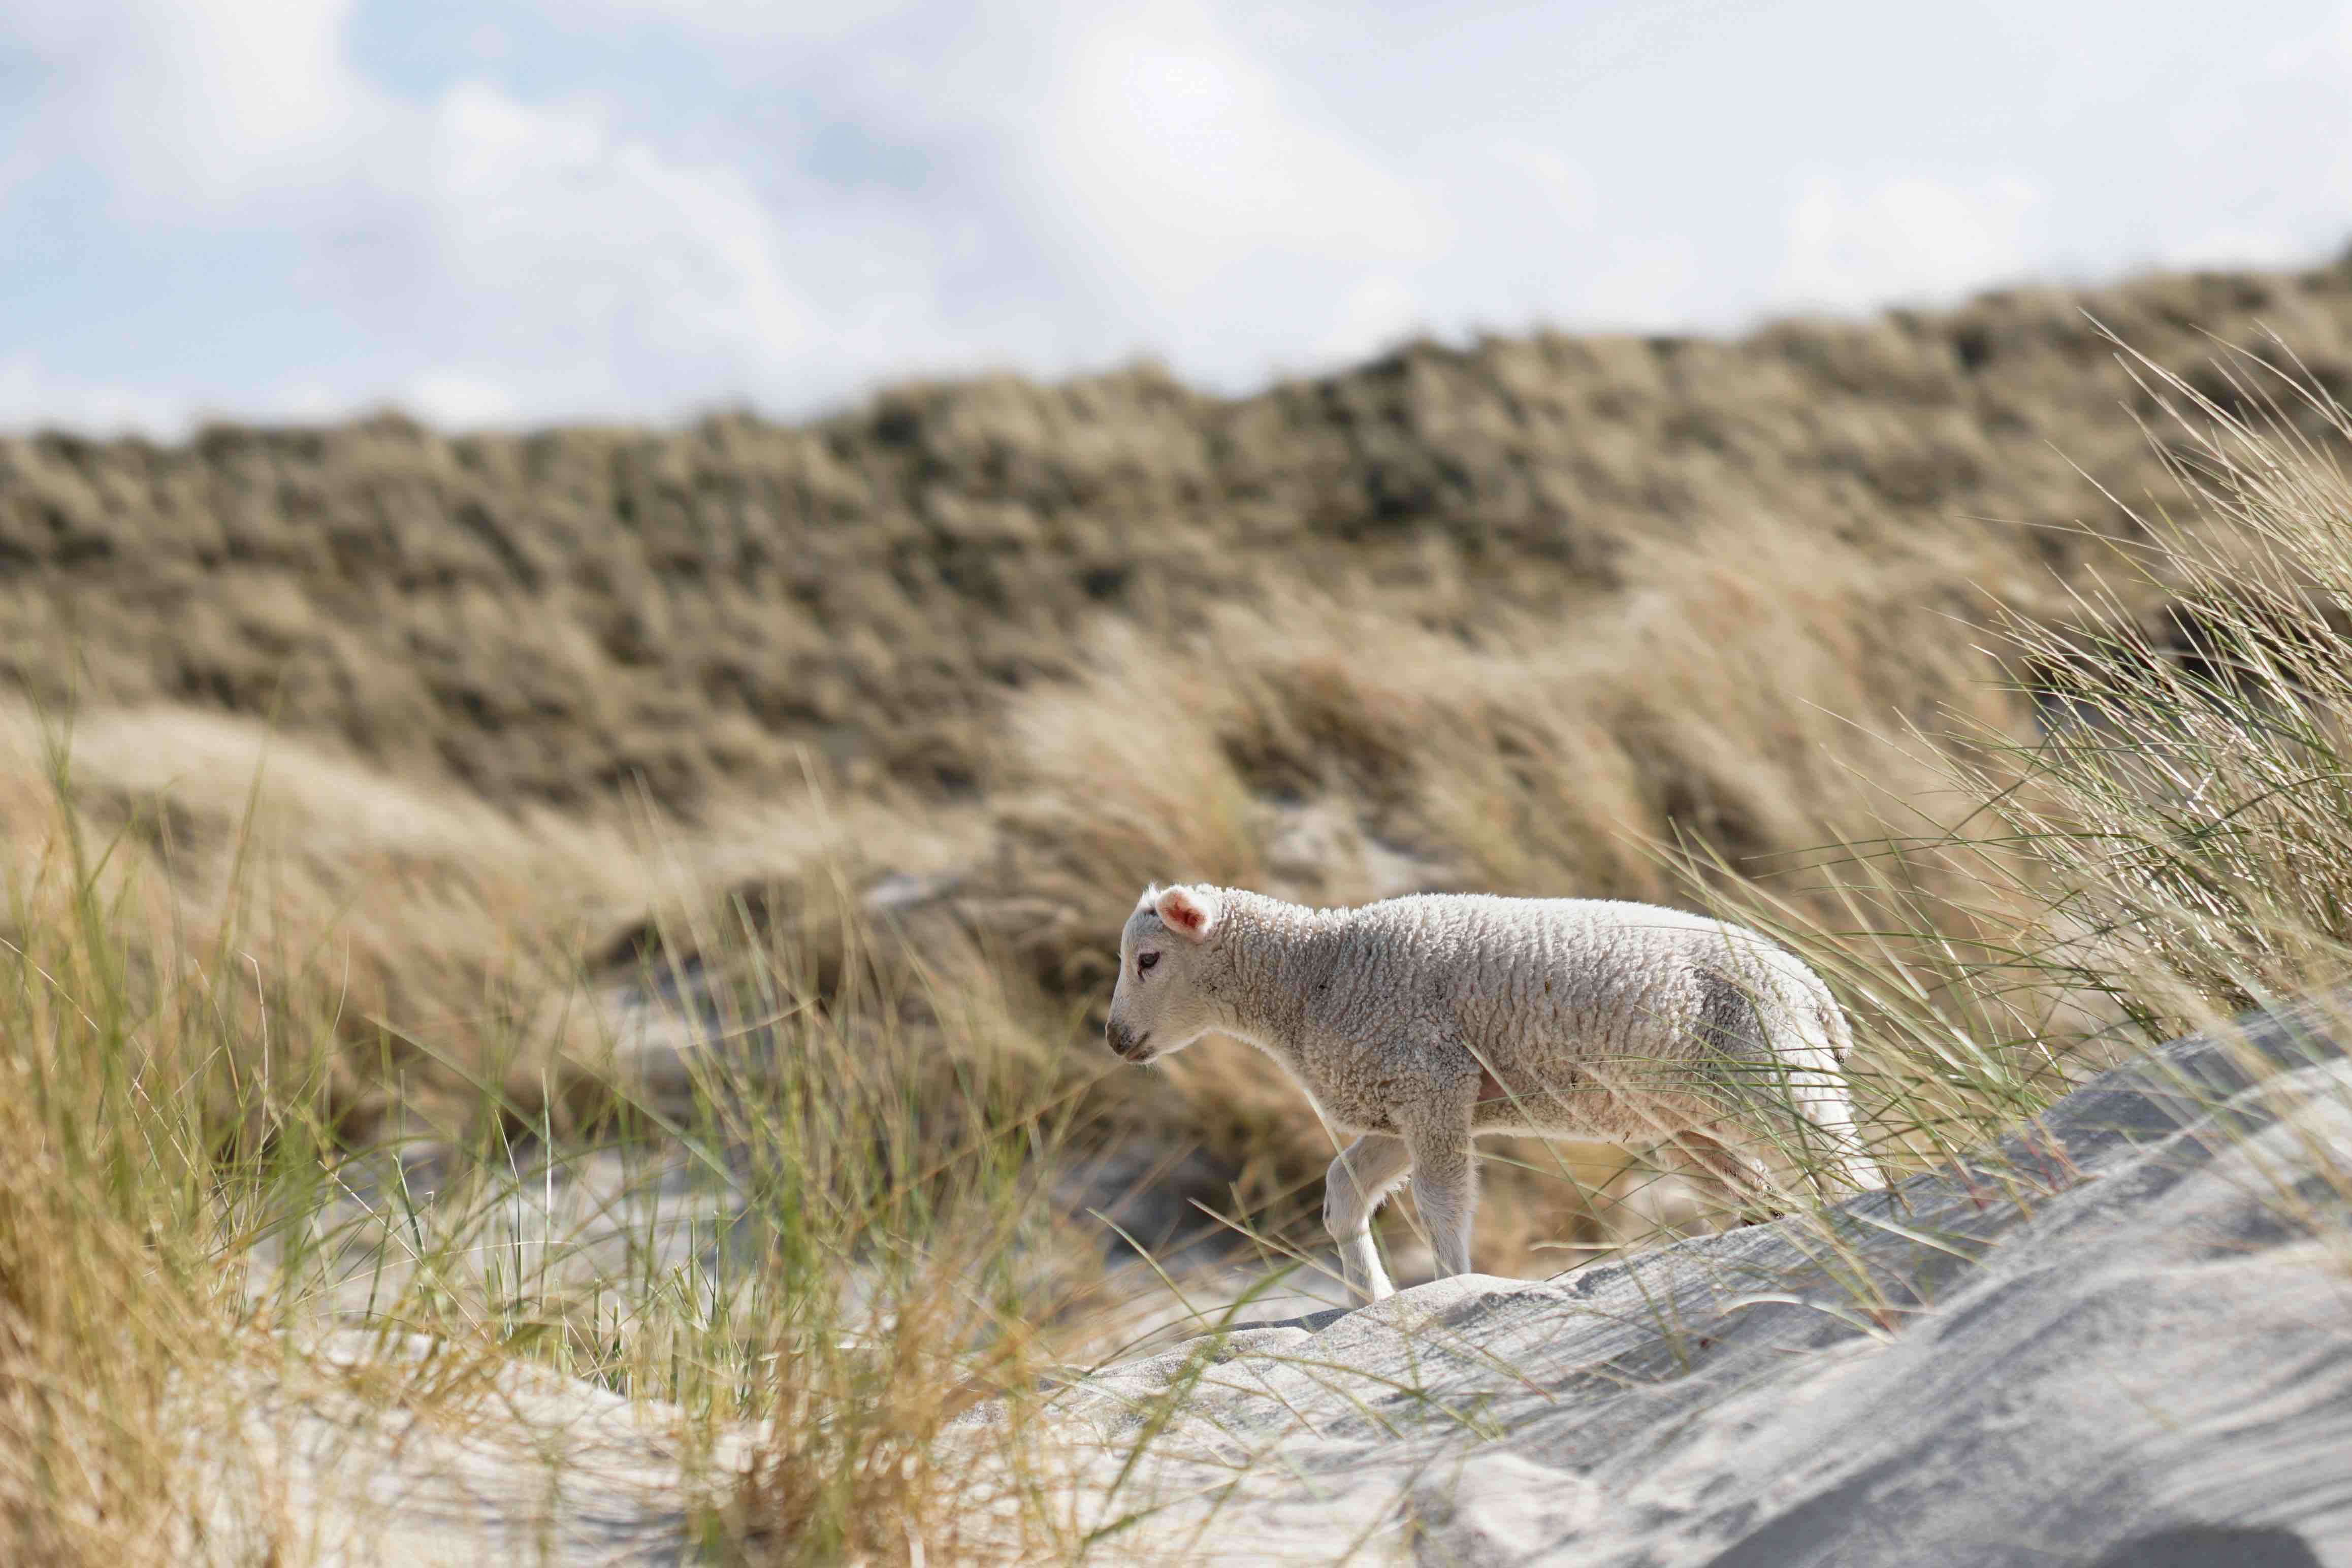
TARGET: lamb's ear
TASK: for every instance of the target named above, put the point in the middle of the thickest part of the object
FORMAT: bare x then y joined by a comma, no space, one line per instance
1187,912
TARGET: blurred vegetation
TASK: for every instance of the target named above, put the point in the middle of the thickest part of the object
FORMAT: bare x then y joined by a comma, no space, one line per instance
553,618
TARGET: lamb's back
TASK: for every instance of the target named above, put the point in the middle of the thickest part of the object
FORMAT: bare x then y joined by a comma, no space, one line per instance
1506,966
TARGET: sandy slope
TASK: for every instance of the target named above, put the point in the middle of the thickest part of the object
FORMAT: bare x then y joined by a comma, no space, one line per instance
2153,1364
533,1468
2141,1355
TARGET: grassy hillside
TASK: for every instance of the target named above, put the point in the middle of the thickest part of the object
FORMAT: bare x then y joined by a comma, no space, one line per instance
548,617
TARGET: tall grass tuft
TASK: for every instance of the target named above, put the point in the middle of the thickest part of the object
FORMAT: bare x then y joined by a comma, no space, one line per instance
834,1236
2190,800
109,1275
2169,844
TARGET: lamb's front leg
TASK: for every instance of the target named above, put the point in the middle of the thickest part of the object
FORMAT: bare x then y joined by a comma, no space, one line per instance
1352,1189
1445,1186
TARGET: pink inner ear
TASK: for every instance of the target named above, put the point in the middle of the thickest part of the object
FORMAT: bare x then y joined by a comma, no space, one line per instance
1182,913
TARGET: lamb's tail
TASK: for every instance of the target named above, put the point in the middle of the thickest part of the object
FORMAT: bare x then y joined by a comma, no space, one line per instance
1837,1034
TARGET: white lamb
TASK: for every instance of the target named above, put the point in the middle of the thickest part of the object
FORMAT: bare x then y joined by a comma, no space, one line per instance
1418,1023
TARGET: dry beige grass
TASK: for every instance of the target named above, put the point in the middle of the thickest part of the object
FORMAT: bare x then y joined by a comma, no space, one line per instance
411,932
550,618
176,1214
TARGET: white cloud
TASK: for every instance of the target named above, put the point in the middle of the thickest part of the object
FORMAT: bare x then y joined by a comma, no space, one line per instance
2326,53
746,21
2219,249
1645,282
2262,172
32,399
262,75
591,237
1564,183
455,401
1377,313
202,101
1908,238
563,240
1177,151
18,169
308,404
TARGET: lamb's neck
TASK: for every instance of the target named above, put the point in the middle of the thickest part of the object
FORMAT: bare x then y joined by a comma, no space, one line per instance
1275,955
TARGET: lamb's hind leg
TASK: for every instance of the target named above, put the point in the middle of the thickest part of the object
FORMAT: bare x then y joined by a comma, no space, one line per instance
1740,1187
1366,1172
1835,1154
1773,1117
1802,1137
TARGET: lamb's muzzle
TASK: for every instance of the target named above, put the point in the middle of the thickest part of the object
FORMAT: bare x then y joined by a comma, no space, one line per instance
1127,1044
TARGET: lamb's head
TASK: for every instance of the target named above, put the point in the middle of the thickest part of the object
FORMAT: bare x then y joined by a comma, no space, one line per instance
1160,1005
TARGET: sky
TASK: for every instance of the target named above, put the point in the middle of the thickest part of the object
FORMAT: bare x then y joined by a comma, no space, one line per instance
512,212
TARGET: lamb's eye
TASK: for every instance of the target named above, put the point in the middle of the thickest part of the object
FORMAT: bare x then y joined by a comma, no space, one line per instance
1143,961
